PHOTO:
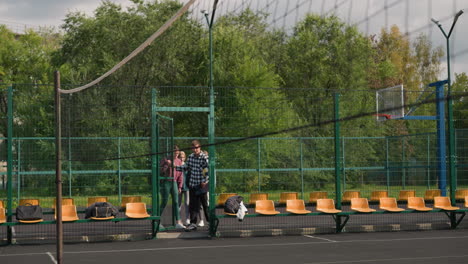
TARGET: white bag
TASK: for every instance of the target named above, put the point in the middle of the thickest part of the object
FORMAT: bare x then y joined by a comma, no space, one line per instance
241,212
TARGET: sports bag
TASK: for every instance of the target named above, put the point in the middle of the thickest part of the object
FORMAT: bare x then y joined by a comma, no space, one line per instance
101,210
232,204
29,212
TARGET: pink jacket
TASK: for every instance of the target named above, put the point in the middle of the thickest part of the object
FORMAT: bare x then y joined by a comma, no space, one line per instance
167,172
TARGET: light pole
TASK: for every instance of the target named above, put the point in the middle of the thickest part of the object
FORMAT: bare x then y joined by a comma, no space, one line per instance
451,130
211,121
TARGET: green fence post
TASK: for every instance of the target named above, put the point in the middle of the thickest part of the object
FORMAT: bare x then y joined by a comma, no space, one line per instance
387,170
428,163
337,152
154,163
259,163
343,168
301,168
403,157
69,169
119,174
9,162
337,161
18,170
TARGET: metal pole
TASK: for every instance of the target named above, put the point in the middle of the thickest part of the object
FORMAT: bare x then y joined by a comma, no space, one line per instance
211,124
58,168
259,163
337,152
387,165
302,167
18,170
428,155
154,157
441,141
119,174
451,130
69,151
10,163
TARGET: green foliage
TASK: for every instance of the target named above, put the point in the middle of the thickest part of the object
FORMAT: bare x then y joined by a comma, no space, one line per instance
266,80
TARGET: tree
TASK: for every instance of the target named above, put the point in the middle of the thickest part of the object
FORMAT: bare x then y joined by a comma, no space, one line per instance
460,103
325,56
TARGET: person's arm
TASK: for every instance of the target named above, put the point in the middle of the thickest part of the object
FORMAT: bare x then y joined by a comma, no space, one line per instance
182,167
164,166
205,167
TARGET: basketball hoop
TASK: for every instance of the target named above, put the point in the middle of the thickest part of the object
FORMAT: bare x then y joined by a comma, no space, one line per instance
383,117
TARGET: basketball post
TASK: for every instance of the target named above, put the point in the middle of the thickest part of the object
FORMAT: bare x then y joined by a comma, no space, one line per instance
439,118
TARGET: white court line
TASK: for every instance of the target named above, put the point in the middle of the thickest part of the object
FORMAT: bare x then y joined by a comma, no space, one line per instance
52,257
329,240
243,245
380,260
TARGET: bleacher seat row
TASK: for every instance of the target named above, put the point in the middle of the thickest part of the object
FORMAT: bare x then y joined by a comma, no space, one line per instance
375,196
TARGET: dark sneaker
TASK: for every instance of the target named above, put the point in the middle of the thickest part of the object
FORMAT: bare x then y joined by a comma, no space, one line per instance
191,227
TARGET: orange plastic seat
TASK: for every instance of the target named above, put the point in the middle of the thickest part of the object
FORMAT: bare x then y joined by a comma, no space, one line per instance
284,196
314,196
444,203
361,205
461,194
136,210
376,195
430,194
348,195
92,200
130,199
327,206
466,201
29,201
69,213
389,204
404,194
31,221
254,197
1,204
296,207
418,204
65,201
265,207
223,197
2,215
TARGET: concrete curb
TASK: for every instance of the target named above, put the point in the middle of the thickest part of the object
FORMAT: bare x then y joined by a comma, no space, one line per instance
248,233
329,230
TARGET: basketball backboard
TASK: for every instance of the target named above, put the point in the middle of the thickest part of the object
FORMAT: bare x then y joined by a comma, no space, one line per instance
390,103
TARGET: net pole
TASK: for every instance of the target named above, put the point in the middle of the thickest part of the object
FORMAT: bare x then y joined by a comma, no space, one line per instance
58,168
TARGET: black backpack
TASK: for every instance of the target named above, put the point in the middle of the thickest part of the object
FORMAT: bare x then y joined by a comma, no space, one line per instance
232,204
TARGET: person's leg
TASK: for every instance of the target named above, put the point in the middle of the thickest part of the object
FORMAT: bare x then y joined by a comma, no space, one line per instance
175,203
187,202
194,207
204,203
165,189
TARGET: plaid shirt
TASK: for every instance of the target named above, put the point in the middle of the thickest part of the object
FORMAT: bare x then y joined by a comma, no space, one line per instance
195,164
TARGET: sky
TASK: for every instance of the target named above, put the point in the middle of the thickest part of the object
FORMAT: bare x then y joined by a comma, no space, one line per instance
411,16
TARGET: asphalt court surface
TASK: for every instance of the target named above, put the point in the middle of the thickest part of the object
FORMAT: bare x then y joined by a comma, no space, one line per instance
428,247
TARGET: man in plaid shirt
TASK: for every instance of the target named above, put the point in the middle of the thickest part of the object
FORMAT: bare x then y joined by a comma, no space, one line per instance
198,183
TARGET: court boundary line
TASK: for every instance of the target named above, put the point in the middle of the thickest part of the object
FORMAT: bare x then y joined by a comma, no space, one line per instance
52,257
329,240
